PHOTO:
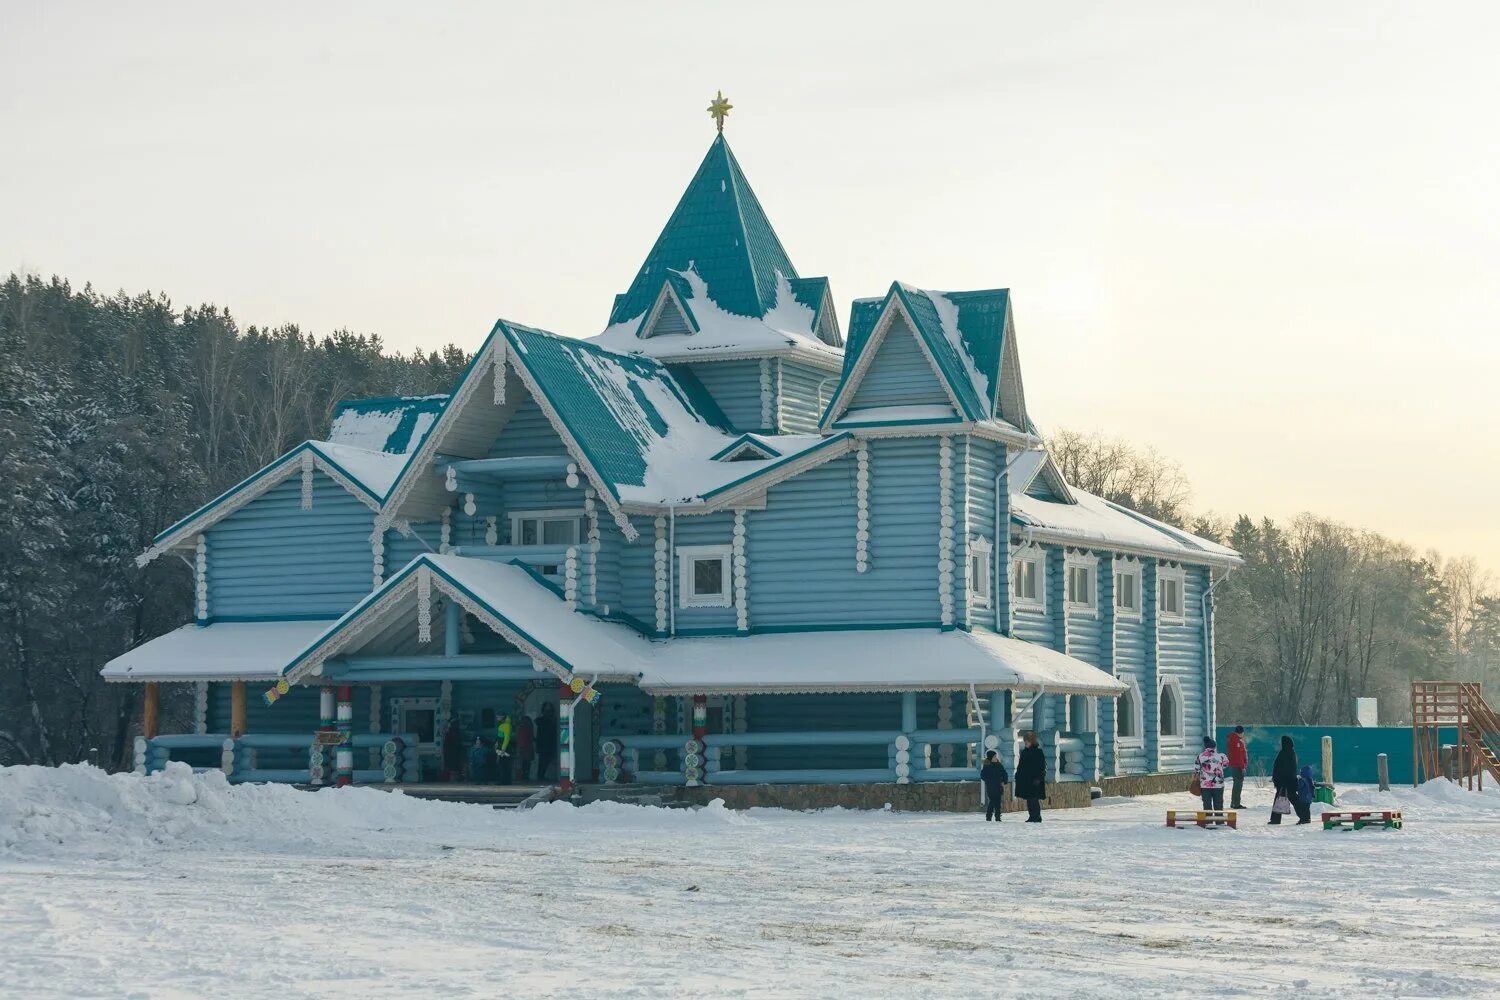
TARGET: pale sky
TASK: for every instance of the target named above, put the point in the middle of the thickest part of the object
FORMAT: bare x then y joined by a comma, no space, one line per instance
1262,240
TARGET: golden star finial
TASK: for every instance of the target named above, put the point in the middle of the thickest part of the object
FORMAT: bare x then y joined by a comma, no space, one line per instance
719,108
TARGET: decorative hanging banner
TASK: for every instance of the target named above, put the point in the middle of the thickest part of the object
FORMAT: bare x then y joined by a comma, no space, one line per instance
272,694
584,689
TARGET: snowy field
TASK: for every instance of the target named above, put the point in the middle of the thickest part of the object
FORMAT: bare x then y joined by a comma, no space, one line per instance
180,886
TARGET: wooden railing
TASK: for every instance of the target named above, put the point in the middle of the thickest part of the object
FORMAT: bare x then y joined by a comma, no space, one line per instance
1459,705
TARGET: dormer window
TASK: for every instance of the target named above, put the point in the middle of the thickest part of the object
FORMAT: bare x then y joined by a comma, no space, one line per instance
668,317
747,449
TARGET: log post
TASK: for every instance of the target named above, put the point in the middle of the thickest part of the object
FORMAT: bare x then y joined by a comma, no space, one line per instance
1328,761
1383,771
565,697
344,755
237,709
151,711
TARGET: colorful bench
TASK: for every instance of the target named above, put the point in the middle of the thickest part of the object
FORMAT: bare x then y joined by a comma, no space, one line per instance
1358,819
1203,817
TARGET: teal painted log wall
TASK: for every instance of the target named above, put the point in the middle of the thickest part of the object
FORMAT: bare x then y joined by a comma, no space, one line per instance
273,559
735,386
899,374
804,394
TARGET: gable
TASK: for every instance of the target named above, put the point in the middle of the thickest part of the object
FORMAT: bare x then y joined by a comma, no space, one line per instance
527,431
899,374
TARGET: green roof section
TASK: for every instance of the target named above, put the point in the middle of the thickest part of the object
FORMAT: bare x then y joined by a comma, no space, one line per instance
720,229
392,424
964,332
616,407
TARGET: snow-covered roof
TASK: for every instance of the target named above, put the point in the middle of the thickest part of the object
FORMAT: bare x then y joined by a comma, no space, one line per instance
967,335
222,651
635,423
914,413
869,660
392,424
788,323
1094,521
723,262
531,615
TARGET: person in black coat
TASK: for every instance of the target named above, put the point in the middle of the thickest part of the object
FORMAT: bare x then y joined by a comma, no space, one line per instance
994,776
1031,777
1284,779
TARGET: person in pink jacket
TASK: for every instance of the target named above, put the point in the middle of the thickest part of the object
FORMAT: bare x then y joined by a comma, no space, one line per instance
1210,767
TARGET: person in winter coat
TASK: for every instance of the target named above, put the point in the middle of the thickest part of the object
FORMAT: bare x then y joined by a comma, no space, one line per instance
503,732
1284,780
1210,766
479,758
453,752
994,777
1239,763
1031,777
546,740
525,745
1305,795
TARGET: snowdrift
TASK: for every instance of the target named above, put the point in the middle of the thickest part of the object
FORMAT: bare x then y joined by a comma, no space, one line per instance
78,811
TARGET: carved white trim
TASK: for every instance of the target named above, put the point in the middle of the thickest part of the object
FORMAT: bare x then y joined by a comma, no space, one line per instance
662,555
498,354
200,576
445,539
862,507
767,404
741,576
307,480
945,529
200,707
424,605
492,530
377,556
591,510
570,578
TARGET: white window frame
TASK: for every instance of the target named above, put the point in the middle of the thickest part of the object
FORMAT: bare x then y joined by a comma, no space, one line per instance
1130,568
1137,715
1031,554
1090,564
1165,738
516,517
687,597
1165,574
982,551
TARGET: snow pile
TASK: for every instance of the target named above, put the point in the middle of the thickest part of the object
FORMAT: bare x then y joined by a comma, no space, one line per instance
77,811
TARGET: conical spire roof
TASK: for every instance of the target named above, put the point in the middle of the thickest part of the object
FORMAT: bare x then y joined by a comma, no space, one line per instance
719,229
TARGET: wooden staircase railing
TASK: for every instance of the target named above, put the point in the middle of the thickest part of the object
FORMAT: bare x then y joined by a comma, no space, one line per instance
1457,705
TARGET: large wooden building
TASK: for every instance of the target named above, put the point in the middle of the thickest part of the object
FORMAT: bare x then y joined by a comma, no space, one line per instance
726,541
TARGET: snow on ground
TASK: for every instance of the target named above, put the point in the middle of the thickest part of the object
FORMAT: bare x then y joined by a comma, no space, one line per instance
182,886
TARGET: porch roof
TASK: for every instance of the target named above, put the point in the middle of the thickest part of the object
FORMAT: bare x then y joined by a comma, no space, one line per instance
223,651
867,660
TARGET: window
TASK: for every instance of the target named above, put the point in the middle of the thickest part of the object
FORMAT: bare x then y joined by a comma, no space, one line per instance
979,572
1169,711
546,527
1128,715
703,576
1029,579
1081,582
1127,590
1169,586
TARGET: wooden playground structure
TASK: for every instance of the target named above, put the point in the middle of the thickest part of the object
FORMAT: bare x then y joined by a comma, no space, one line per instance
1458,705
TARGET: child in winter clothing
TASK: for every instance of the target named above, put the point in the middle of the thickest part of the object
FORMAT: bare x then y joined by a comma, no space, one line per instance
994,777
1305,794
1210,765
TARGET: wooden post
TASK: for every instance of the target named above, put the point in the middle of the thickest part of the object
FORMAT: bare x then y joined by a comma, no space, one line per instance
151,711
1328,761
344,754
237,709
565,697
1383,770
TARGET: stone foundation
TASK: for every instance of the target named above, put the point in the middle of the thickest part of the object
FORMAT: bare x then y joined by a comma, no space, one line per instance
1146,784
940,796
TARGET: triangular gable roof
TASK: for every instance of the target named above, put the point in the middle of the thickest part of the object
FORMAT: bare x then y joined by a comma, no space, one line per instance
367,475
504,596
719,228
968,337
673,296
743,443
817,295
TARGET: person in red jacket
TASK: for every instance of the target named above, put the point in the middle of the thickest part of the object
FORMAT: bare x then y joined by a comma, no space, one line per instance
1239,762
